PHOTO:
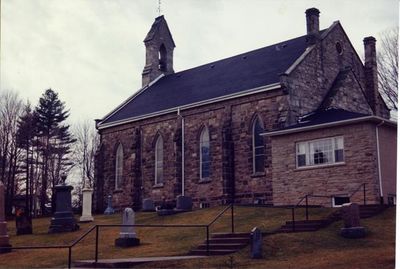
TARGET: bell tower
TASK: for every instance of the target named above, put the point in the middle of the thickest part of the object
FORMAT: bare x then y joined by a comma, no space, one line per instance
159,51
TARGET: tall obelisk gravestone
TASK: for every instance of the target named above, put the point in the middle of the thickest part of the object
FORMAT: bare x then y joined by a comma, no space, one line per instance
4,239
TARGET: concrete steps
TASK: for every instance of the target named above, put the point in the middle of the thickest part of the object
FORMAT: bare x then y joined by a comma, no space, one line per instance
366,211
222,244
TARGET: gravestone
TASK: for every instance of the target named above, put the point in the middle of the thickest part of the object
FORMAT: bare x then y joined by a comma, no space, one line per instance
4,239
167,208
184,203
127,236
63,219
86,205
148,205
256,243
109,210
23,222
351,219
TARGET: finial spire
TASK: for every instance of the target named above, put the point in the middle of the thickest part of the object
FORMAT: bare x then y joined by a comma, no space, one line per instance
159,8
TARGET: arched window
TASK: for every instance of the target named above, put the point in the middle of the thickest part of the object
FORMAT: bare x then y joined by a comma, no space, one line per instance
258,147
159,159
119,166
205,154
162,55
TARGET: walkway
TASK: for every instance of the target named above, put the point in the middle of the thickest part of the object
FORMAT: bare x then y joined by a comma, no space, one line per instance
126,263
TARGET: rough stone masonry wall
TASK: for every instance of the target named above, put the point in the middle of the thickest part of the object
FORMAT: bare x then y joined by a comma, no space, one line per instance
139,160
311,80
349,94
234,117
291,183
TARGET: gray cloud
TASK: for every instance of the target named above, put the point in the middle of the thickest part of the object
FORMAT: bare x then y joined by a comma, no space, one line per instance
92,53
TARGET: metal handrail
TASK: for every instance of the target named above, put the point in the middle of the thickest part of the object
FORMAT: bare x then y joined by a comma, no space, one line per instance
97,226
359,187
321,196
82,236
220,214
215,219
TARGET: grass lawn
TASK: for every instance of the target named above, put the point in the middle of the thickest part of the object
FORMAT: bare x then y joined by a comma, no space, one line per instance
302,250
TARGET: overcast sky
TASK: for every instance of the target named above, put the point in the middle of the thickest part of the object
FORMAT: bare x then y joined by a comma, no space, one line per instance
92,52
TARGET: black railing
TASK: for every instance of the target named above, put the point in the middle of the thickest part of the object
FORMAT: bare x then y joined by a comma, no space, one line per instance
98,226
69,247
364,192
305,197
214,220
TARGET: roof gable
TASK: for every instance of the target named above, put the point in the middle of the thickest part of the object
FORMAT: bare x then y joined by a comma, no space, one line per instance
346,93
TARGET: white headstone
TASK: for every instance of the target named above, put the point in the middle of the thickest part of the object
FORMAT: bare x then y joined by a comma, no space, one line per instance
86,205
127,236
128,218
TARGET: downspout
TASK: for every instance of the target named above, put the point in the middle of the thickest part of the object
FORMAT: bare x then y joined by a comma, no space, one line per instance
183,151
379,160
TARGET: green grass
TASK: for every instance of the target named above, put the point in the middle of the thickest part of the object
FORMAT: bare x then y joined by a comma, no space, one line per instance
302,250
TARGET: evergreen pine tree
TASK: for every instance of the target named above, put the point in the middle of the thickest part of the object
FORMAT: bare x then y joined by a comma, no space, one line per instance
56,141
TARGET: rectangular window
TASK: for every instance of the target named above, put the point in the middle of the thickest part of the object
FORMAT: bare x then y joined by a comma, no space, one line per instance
339,201
320,152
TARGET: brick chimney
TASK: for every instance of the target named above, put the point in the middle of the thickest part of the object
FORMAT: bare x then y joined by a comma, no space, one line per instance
312,18
371,73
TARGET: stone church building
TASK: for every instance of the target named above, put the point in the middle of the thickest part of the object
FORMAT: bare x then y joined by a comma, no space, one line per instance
303,116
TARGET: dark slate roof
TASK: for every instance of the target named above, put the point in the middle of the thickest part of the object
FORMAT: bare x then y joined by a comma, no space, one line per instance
232,75
324,116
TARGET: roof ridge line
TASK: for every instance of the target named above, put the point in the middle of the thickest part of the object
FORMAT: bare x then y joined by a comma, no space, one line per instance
240,54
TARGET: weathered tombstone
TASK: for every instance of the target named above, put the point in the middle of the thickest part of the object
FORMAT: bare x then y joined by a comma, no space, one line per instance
351,219
256,243
23,222
127,236
63,219
86,205
4,239
109,210
184,203
148,205
166,208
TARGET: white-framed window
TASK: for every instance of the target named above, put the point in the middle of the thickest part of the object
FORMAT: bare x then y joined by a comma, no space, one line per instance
119,167
205,161
159,161
338,201
320,152
258,147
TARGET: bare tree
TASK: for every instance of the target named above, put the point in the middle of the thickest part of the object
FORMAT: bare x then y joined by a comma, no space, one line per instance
85,150
11,107
387,60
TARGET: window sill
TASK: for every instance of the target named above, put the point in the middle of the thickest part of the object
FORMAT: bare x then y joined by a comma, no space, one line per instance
158,185
117,191
319,166
204,181
257,174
